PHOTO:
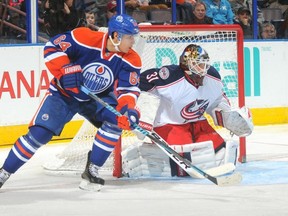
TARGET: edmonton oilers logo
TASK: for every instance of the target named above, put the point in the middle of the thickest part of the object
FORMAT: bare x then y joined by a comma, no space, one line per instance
97,77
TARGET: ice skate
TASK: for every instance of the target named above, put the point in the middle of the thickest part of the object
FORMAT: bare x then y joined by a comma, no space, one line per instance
90,177
4,175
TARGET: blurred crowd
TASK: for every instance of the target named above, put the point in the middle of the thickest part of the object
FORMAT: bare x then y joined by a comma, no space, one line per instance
57,16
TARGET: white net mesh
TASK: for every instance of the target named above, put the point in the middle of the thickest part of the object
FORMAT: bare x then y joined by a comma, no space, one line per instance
158,48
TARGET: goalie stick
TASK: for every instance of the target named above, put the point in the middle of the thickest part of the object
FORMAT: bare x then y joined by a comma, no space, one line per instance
184,163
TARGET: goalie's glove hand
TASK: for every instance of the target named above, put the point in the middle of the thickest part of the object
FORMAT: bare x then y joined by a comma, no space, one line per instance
72,78
129,119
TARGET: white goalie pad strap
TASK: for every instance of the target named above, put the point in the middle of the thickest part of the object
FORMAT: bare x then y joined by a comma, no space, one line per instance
147,160
228,154
238,121
202,153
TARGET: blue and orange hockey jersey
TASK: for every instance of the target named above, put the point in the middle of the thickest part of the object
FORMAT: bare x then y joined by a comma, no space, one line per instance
101,68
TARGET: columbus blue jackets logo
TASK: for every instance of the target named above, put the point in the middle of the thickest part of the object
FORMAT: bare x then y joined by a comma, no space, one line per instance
97,77
164,73
194,110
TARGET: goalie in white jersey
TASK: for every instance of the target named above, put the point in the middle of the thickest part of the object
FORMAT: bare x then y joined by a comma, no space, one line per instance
186,91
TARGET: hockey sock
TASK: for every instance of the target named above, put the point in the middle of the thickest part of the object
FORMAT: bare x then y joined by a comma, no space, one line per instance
25,147
105,140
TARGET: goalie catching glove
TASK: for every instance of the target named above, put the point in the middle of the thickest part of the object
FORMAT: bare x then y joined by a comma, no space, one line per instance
72,78
238,121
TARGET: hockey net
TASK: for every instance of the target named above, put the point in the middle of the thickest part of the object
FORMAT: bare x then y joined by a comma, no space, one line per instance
162,45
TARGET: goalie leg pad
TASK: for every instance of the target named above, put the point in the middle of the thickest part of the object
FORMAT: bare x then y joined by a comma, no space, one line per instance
228,154
147,160
202,153
231,152
148,112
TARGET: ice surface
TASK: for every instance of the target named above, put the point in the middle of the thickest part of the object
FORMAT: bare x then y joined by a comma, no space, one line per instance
263,191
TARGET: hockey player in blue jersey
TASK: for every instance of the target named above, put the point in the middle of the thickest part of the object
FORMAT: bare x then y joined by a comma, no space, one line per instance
95,60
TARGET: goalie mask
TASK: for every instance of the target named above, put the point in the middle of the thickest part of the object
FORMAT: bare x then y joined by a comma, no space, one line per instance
195,62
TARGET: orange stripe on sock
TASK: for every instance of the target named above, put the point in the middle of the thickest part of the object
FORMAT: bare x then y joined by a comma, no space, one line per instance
102,139
27,154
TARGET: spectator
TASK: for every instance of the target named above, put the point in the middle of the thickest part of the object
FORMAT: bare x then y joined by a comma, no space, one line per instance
111,9
148,5
236,4
199,14
243,18
160,2
91,20
220,11
282,4
184,11
267,31
280,24
61,16
131,5
86,5
285,24
12,30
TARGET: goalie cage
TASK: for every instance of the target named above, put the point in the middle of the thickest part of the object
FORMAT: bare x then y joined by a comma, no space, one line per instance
157,46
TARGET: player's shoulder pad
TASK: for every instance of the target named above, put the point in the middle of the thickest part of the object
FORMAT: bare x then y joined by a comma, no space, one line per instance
164,75
133,58
88,37
213,72
170,73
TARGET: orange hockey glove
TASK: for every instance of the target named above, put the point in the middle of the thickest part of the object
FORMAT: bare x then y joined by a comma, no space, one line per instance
130,118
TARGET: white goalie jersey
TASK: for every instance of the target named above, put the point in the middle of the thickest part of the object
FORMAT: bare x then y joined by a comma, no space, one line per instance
146,159
176,94
181,102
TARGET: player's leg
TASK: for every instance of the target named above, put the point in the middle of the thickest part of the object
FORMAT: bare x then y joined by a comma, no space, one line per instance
203,131
176,135
48,121
182,140
106,138
194,141
225,151
23,149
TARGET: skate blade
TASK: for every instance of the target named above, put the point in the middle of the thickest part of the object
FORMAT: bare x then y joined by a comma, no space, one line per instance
88,186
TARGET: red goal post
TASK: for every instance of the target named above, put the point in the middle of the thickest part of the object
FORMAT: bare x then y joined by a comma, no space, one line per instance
162,45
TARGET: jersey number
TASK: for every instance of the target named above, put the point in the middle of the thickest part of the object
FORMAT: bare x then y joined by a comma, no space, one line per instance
63,45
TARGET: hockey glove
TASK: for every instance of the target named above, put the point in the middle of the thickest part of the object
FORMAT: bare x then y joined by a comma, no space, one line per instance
130,117
72,78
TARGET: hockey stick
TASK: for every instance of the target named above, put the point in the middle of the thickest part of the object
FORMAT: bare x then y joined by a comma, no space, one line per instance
184,163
